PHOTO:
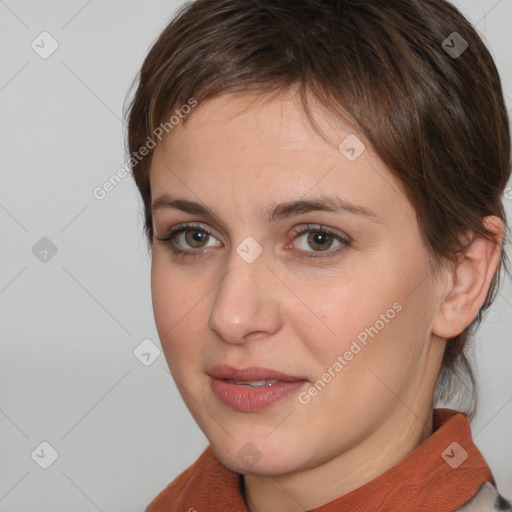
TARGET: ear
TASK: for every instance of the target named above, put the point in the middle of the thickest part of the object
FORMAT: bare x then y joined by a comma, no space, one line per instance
468,282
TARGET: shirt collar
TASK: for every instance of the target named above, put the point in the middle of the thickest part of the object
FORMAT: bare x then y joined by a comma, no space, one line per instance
443,473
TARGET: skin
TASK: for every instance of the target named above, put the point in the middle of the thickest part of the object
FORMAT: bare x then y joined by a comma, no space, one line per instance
239,155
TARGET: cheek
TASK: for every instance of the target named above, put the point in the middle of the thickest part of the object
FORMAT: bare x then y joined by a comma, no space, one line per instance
370,322
340,312
179,308
164,296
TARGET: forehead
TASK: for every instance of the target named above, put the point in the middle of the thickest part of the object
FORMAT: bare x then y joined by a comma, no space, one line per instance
265,148
278,119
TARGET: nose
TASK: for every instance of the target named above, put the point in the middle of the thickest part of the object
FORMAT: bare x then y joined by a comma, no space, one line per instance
246,302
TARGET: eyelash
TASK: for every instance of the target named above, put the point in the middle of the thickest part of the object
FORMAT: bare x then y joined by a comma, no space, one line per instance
173,233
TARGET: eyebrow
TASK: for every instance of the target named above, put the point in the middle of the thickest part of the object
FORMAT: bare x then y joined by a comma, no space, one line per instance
274,212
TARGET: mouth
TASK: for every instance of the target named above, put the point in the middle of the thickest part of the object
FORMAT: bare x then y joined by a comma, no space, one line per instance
252,389
253,383
251,374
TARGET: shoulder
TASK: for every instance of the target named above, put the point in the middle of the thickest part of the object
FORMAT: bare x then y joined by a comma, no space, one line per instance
487,499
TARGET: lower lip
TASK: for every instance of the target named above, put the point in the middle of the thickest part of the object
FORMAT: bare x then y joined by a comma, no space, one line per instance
241,398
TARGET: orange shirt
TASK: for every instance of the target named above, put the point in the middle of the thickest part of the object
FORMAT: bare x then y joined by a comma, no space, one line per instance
435,477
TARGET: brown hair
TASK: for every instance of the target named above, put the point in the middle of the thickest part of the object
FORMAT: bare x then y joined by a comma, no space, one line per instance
437,119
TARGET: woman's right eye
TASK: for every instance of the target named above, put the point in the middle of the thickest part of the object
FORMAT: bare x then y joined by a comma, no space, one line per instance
189,234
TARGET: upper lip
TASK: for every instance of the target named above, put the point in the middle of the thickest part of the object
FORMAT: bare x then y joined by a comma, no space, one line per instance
251,373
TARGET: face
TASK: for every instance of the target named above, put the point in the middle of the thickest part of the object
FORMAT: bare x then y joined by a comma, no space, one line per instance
343,300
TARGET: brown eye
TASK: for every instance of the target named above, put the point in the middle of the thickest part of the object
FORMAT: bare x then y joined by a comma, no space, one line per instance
320,240
188,239
195,238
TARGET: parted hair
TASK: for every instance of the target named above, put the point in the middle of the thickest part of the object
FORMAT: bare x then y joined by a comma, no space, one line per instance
437,119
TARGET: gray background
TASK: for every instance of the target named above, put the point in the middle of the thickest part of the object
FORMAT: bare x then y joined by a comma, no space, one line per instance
69,325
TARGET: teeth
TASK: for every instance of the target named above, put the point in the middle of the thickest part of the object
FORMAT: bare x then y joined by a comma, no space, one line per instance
253,383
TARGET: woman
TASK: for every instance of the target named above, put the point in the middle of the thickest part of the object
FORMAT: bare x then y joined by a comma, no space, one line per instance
322,186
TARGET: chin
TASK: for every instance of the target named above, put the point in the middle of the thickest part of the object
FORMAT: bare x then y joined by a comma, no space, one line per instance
253,459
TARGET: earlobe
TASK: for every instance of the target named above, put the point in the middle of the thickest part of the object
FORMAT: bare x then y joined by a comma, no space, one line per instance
468,282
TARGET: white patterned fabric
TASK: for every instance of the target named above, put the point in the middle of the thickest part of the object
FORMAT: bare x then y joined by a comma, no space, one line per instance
487,499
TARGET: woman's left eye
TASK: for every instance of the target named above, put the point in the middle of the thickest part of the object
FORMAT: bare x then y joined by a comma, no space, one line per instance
319,238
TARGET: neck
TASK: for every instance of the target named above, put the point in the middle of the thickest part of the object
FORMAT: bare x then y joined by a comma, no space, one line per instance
403,432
